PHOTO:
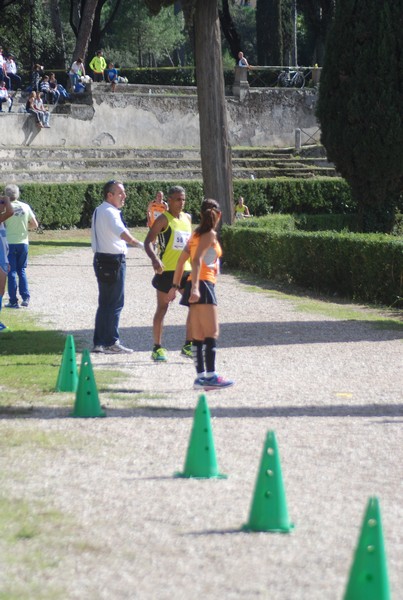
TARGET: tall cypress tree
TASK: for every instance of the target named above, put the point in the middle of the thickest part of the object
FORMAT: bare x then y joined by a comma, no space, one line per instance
269,35
360,105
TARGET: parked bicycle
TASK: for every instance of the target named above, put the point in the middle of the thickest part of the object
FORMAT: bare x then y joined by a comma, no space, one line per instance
289,78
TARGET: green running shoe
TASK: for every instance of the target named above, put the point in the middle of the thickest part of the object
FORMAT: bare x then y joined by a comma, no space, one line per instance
187,351
159,355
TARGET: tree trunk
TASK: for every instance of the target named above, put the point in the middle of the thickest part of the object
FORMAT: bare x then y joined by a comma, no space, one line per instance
85,29
54,9
214,141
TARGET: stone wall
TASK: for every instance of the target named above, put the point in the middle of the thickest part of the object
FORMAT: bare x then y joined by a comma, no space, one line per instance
265,117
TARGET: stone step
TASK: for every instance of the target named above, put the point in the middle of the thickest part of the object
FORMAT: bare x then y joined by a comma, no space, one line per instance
60,163
140,164
94,175
55,152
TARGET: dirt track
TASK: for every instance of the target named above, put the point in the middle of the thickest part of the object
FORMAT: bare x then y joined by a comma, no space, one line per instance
330,389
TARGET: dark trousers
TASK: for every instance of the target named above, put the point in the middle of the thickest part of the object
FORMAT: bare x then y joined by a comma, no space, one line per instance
12,78
110,303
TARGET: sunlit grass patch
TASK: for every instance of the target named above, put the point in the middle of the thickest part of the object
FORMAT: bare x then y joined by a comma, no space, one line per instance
378,317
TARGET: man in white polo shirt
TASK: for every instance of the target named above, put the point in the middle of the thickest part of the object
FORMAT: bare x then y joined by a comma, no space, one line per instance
109,239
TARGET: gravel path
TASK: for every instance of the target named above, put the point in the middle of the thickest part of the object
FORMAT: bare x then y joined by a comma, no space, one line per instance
330,389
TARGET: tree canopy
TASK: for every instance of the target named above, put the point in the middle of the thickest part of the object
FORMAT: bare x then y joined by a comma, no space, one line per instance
360,105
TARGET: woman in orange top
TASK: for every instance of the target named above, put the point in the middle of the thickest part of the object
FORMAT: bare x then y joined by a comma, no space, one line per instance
204,251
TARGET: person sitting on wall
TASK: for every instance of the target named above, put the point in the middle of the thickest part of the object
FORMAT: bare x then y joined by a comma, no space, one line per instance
11,70
44,87
43,112
31,109
76,71
111,75
5,97
59,91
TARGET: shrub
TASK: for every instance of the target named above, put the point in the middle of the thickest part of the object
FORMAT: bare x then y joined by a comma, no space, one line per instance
364,267
72,204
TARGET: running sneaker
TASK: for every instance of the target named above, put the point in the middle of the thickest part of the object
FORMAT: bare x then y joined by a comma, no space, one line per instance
11,305
217,382
25,303
117,348
187,351
159,355
198,383
98,349
3,328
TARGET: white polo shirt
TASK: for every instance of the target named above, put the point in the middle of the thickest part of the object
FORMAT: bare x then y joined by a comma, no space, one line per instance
106,229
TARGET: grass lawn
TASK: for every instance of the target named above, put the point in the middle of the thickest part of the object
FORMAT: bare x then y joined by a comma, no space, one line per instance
30,356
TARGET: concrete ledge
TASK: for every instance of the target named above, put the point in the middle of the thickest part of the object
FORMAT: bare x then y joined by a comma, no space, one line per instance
266,117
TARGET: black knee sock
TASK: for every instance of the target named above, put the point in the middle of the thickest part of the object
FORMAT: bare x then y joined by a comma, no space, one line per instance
210,351
198,358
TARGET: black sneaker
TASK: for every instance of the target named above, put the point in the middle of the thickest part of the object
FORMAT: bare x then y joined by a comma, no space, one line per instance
12,305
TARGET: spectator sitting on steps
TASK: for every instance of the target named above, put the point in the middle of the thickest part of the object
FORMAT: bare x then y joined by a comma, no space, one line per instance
31,109
58,90
11,70
44,87
42,110
5,97
76,71
111,75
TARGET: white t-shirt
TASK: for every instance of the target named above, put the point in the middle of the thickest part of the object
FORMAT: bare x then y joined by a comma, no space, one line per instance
106,229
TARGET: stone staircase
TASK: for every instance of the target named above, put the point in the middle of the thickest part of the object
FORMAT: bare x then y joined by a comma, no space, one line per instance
22,164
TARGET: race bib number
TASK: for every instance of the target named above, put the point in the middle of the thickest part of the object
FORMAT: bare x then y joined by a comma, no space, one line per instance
180,239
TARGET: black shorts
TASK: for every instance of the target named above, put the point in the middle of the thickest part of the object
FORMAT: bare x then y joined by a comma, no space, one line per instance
163,282
207,293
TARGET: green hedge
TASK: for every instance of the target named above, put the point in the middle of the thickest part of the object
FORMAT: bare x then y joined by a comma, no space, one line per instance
303,222
286,195
364,267
67,205
71,204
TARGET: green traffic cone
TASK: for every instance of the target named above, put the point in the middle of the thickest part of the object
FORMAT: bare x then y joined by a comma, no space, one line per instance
369,574
269,507
201,461
87,401
67,379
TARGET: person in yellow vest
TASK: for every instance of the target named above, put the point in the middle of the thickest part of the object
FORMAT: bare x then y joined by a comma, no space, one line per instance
204,252
173,229
98,66
155,208
241,210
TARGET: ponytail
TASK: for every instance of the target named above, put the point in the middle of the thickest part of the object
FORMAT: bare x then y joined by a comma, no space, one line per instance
210,214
